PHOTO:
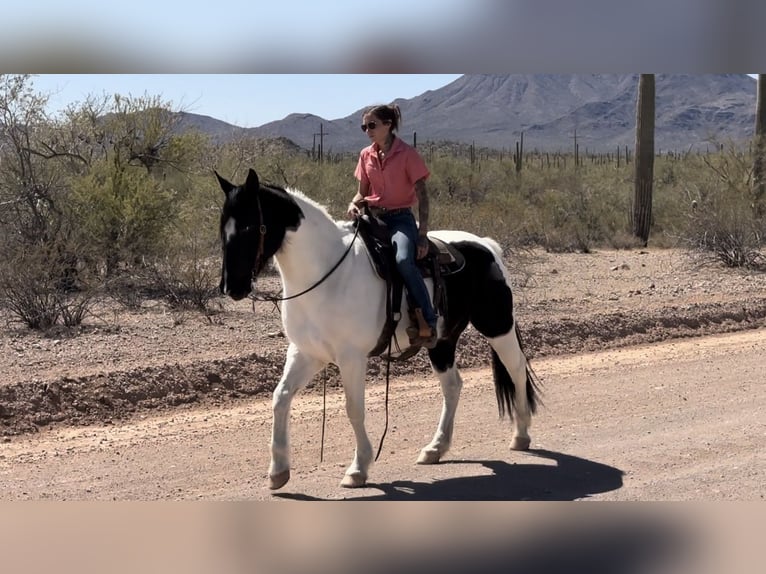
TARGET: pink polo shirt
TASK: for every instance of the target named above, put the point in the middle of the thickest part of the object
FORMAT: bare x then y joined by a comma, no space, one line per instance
392,181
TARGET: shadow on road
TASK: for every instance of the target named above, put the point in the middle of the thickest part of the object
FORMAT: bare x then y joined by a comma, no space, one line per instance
569,479
599,538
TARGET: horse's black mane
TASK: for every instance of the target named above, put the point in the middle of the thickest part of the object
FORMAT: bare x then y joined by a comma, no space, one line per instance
274,187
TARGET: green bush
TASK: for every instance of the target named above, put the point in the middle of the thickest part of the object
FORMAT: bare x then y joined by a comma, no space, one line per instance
125,215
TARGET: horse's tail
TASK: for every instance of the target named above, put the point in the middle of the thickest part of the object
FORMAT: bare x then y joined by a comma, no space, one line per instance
505,390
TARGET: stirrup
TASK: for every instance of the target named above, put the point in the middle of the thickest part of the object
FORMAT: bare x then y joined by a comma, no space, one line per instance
421,334
428,341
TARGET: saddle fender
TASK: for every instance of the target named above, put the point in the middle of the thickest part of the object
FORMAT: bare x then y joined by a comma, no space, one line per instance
442,260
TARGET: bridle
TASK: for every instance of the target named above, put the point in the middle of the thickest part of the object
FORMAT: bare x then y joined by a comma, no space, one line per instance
259,256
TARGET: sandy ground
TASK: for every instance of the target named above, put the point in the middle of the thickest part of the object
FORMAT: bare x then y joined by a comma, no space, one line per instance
160,405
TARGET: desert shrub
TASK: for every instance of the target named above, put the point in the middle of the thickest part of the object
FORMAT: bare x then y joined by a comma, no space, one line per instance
725,227
503,219
457,181
129,289
579,211
187,271
34,304
124,214
32,290
720,217
188,279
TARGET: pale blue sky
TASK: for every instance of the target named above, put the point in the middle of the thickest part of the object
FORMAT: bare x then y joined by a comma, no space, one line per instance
402,36
214,25
226,35
246,100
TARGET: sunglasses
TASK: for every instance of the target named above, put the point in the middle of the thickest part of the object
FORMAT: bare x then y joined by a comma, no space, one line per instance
371,125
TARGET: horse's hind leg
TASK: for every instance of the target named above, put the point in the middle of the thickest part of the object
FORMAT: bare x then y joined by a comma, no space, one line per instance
443,363
508,349
352,370
298,370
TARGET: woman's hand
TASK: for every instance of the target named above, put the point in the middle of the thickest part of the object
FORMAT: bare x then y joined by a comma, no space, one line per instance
353,211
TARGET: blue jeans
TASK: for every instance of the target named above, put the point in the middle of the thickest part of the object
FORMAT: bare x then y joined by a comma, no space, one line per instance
404,237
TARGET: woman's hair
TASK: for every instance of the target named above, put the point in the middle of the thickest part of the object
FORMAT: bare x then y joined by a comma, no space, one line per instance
386,113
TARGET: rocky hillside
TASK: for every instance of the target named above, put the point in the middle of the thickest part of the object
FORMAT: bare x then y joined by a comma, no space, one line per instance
492,111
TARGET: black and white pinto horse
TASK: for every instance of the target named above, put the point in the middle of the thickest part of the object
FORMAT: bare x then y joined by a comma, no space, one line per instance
341,319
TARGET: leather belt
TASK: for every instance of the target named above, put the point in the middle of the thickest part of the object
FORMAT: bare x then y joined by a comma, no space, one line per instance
378,211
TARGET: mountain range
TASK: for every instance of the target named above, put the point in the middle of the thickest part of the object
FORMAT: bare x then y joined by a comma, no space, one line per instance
492,111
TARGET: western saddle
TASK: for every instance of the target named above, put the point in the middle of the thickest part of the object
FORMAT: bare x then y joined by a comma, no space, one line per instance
442,260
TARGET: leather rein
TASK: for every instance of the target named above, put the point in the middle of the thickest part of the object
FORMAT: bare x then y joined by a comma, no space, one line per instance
259,256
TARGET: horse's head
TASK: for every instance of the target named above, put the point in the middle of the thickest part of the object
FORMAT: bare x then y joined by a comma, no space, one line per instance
254,220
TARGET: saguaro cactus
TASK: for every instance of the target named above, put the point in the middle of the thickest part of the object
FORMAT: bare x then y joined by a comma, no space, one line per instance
759,158
644,164
517,157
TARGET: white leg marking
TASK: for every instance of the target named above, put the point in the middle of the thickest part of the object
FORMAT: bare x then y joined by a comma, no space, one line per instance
451,385
298,370
352,372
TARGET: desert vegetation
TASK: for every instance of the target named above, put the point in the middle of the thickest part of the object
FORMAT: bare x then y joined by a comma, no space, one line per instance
109,200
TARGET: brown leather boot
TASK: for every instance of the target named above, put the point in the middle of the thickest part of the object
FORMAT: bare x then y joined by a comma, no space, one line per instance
421,334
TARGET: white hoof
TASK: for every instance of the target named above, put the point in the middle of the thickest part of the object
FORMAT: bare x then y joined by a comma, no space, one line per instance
520,443
279,480
354,480
429,457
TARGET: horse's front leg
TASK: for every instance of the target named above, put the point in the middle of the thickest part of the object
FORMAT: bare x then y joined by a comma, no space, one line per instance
352,370
443,363
298,370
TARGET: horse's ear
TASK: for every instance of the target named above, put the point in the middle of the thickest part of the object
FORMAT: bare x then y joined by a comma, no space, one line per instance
225,185
252,182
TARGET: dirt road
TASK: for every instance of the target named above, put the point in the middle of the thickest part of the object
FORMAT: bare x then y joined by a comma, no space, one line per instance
677,420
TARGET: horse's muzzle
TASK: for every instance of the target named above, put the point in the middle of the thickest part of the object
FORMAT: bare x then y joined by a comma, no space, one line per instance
235,293
238,295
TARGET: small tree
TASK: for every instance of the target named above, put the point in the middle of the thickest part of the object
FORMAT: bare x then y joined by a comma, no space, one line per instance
121,201
40,283
644,165
29,206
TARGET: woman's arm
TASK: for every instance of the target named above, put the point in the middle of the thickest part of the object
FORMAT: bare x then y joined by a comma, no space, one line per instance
362,191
